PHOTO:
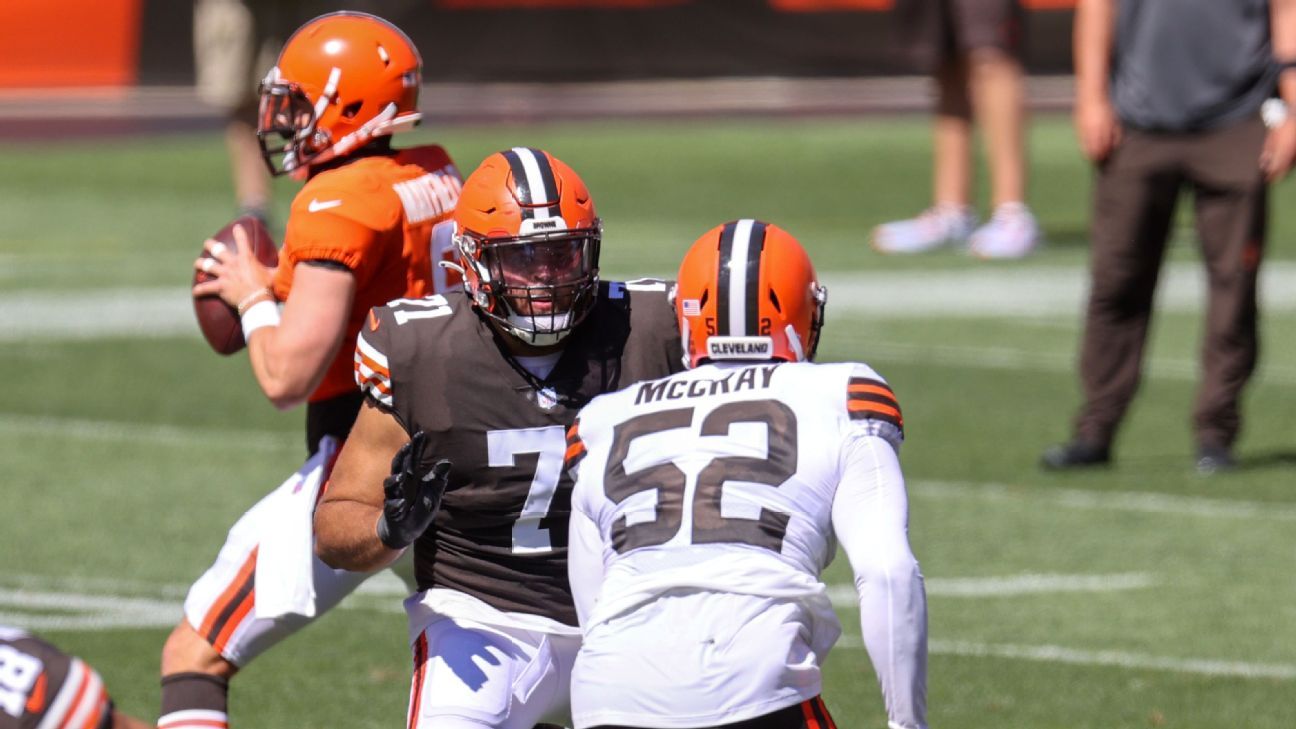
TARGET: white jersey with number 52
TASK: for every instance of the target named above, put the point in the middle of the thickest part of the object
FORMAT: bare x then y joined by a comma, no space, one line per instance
706,505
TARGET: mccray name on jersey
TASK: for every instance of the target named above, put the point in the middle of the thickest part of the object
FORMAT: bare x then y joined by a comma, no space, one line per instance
747,378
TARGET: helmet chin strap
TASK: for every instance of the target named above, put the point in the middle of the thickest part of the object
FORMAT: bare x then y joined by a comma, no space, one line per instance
794,343
536,336
366,132
451,265
539,339
385,123
687,340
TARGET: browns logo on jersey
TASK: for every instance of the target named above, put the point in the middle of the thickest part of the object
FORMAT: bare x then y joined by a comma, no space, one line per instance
437,366
375,216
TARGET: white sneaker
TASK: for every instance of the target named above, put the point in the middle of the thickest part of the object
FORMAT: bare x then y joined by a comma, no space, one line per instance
934,227
1011,233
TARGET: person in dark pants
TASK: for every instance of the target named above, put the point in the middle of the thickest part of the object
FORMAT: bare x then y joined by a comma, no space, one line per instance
1169,96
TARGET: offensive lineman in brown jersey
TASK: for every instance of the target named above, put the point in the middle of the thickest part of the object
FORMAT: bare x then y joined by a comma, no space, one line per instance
361,232
490,378
43,687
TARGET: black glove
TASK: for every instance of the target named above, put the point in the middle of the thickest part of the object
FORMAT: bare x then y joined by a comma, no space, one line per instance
411,496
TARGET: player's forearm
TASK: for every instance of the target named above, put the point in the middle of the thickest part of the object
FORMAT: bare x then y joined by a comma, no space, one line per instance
346,538
287,374
893,623
870,519
1093,35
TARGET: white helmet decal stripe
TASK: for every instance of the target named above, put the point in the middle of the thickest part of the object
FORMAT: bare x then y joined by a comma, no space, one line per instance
537,178
738,270
330,89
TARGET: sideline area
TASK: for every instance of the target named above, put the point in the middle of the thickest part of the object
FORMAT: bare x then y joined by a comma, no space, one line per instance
58,113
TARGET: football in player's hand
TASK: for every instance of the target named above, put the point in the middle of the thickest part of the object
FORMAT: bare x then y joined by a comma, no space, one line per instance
218,320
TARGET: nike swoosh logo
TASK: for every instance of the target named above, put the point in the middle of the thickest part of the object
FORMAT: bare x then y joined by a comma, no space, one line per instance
316,206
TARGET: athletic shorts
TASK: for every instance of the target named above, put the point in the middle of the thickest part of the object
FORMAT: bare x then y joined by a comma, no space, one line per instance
695,659
472,675
933,31
222,604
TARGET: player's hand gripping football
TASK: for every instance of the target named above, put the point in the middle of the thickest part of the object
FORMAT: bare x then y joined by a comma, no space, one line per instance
411,494
233,272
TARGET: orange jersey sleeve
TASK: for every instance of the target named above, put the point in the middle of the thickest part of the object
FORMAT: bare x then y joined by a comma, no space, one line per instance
375,216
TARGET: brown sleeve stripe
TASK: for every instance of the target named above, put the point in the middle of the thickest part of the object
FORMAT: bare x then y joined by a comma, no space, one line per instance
864,387
872,400
873,407
575,446
575,452
871,387
868,398
873,397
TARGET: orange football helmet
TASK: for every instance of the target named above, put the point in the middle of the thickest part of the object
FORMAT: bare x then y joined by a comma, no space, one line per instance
528,240
341,80
747,291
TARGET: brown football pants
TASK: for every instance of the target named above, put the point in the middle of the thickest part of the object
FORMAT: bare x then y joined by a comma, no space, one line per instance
1134,203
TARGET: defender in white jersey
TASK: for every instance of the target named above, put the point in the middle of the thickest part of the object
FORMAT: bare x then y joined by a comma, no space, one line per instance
707,504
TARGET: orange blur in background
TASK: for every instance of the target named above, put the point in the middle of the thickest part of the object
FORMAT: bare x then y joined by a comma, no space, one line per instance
69,43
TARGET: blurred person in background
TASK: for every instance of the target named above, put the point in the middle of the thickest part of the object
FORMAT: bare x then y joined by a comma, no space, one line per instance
973,48
1168,97
235,43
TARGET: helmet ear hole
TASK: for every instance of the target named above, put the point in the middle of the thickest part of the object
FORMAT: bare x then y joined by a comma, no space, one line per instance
350,110
773,296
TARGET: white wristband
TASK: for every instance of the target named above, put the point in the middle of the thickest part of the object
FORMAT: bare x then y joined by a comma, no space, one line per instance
260,314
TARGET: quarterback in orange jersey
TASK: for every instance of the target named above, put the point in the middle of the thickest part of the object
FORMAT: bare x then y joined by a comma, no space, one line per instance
363,231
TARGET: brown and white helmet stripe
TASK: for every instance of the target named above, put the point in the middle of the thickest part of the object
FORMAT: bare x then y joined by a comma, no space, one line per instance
738,285
533,178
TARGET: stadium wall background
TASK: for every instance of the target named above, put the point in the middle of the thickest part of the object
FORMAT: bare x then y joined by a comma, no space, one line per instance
149,42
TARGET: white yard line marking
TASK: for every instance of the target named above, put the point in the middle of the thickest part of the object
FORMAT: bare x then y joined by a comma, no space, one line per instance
96,314
109,430
385,584
1107,500
1027,291
38,602
1019,292
1118,659
103,585
1017,360
76,611
844,596
50,610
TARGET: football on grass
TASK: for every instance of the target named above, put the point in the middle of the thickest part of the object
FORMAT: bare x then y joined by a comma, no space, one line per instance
219,321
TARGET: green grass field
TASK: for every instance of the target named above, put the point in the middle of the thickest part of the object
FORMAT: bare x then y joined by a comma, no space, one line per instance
1140,596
